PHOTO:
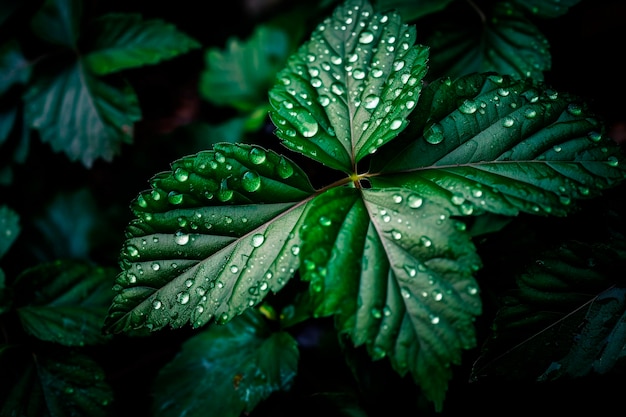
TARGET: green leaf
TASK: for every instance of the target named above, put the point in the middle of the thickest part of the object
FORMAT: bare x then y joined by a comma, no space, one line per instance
9,228
213,237
546,8
226,369
397,271
52,383
127,41
348,90
507,43
601,344
491,143
58,22
64,302
410,9
80,114
241,75
565,295
14,68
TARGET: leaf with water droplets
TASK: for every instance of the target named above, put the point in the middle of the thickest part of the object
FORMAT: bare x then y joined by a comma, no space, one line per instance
64,302
546,8
126,40
213,237
227,369
9,228
396,271
348,90
502,146
506,43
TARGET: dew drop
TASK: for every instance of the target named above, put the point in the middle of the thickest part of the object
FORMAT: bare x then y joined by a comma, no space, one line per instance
183,297
174,197
155,266
156,304
371,102
251,181
181,174
508,121
434,134
181,238
366,37
234,269
257,240
284,169
257,156
325,221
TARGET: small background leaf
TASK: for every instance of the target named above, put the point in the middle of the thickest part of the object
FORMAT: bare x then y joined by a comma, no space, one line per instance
227,369
125,40
502,40
9,228
64,302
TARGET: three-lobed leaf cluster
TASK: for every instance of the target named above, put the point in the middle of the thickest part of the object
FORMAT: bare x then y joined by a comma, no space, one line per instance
385,250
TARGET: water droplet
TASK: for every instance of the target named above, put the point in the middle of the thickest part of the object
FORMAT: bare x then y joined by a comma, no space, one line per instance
308,125
132,278
594,136
434,134
366,37
257,156
376,313
155,266
397,198
251,181
508,121
132,251
325,221
396,124
405,292
257,240
425,241
371,102
396,235
612,161
181,174
468,107
181,238
174,197
434,319
295,250
415,201
183,297
284,169
530,113
156,304
234,269
188,283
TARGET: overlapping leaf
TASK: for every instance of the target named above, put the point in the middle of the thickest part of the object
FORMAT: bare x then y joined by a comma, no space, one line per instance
505,41
213,237
227,369
64,302
491,143
347,91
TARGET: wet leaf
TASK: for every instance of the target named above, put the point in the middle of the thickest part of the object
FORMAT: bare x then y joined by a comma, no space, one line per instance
227,369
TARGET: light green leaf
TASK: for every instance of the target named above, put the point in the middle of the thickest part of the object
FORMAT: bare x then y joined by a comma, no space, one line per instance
348,90
226,369
241,75
127,41
64,302
58,22
82,115
213,237
9,228
546,8
507,43
14,68
53,382
490,143
397,271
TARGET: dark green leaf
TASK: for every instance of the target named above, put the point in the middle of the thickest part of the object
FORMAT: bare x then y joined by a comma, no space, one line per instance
58,22
546,8
81,115
213,237
348,90
490,143
507,43
241,75
127,41
410,9
602,340
52,383
9,228
227,369
397,271
64,302
564,310
14,68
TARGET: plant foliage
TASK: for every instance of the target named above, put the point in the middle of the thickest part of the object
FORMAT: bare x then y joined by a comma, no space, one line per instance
397,170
